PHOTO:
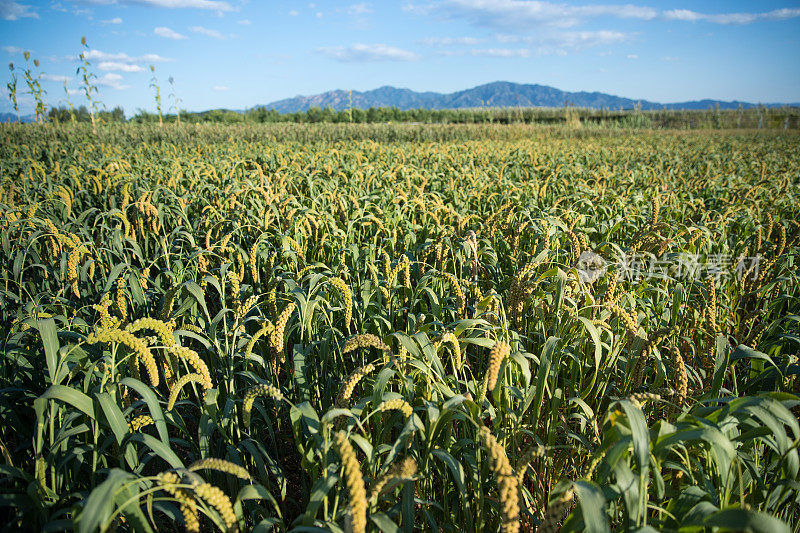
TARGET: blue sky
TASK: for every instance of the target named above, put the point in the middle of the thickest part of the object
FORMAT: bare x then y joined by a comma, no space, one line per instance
239,53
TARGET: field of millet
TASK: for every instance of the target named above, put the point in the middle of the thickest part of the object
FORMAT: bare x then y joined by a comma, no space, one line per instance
299,328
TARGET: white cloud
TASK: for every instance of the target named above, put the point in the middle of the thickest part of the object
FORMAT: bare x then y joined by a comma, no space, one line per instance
357,53
449,53
563,42
293,13
682,14
111,80
359,9
174,4
670,59
115,20
168,33
124,58
120,62
528,15
220,88
417,9
10,10
54,77
731,18
13,50
207,32
244,22
151,58
577,40
319,14
502,52
525,14
117,66
450,41
632,56
198,4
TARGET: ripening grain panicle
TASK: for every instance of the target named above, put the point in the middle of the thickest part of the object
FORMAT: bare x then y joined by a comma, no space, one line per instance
220,465
233,279
711,325
219,501
265,329
276,337
346,296
140,351
505,479
500,351
139,422
627,318
449,339
351,474
349,384
72,268
366,340
170,482
122,302
164,330
398,404
399,472
555,512
265,390
180,383
655,208
194,360
459,294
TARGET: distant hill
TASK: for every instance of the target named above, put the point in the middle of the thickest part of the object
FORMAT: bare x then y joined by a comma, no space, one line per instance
496,94
12,117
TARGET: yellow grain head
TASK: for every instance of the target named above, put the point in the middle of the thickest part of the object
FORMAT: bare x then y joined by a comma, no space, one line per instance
506,481
349,384
397,404
176,388
499,352
254,392
351,473
347,298
220,465
122,304
366,340
217,499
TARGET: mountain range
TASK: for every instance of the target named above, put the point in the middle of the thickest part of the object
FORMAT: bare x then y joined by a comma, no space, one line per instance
12,117
496,94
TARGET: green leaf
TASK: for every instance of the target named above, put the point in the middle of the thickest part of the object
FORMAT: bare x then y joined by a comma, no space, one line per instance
162,450
384,523
746,520
100,503
593,506
132,512
70,396
541,377
639,434
113,415
47,331
150,399
319,491
720,363
745,352
118,424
